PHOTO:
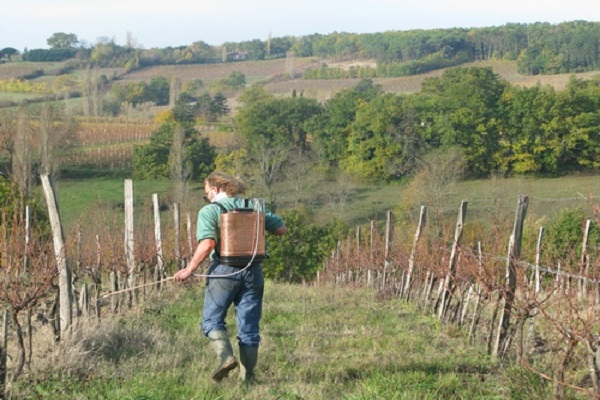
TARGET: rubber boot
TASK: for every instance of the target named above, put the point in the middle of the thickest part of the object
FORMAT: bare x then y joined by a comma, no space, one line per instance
248,358
220,342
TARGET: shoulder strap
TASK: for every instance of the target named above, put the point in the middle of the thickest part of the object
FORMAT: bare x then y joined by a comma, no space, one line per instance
221,206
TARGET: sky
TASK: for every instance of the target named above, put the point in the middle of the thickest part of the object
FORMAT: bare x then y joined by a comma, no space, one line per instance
161,23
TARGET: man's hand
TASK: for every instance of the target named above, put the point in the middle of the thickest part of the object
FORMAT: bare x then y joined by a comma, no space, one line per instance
203,250
182,274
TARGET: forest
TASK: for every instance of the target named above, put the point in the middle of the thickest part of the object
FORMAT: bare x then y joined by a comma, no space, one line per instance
380,137
538,48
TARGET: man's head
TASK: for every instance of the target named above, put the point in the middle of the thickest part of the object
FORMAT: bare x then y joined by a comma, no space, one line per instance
218,182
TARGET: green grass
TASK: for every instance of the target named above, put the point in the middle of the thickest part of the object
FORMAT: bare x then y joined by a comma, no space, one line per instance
487,199
93,189
318,343
79,191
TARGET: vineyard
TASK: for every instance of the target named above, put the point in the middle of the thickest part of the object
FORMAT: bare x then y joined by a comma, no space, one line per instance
528,307
108,142
540,314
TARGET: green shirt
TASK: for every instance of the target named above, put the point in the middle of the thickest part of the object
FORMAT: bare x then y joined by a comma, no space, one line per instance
207,226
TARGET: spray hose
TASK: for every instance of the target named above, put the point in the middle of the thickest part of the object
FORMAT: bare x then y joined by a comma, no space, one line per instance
255,251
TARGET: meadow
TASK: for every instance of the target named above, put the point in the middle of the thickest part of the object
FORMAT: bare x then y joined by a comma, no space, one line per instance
487,198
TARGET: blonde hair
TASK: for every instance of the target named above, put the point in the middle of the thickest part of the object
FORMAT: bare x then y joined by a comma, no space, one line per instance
230,184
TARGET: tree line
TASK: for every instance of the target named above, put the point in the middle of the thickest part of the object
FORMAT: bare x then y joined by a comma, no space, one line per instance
538,48
380,137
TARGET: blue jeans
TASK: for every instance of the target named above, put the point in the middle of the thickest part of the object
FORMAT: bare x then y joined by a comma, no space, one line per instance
245,290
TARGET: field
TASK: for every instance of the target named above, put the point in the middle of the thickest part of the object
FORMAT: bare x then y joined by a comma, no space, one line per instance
326,342
107,143
282,76
487,198
318,343
253,70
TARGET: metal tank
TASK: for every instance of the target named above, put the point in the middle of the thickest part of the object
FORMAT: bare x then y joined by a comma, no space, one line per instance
243,235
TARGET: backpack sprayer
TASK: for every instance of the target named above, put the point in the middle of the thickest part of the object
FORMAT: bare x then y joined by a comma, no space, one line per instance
238,246
242,234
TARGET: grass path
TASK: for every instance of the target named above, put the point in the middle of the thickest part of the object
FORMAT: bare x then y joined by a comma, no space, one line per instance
318,343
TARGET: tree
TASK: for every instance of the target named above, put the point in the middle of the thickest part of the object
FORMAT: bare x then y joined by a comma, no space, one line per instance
61,40
7,131
268,161
374,152
8,52
65,85
565,233
330,128
55,132
22,157
188,107
179,165
158,90
437,174
236,79
255,48
301,172
267,120
28,270
298,255
90,86
467,107
154,159
527,141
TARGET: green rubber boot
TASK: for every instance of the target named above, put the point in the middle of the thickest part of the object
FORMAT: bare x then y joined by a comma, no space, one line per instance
248,358
220,343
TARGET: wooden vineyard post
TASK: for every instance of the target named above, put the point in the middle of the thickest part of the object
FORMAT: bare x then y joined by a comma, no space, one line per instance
78,263
372,242
371,253
538,253
585,262
389,231
84,305
114,287
27,238
348,265
64,270
129,239
510,285
358,255
26,263
190,236
476,311
411,258
3,355
97,279
537,287
338,261
449,280
176,217
158,239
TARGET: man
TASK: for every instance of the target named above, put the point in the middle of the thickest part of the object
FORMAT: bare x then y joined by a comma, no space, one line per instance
232,284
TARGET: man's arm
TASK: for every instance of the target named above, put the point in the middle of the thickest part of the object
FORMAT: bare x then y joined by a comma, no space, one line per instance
282,230
203,250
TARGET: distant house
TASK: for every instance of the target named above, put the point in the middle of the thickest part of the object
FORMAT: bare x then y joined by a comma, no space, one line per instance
237,56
